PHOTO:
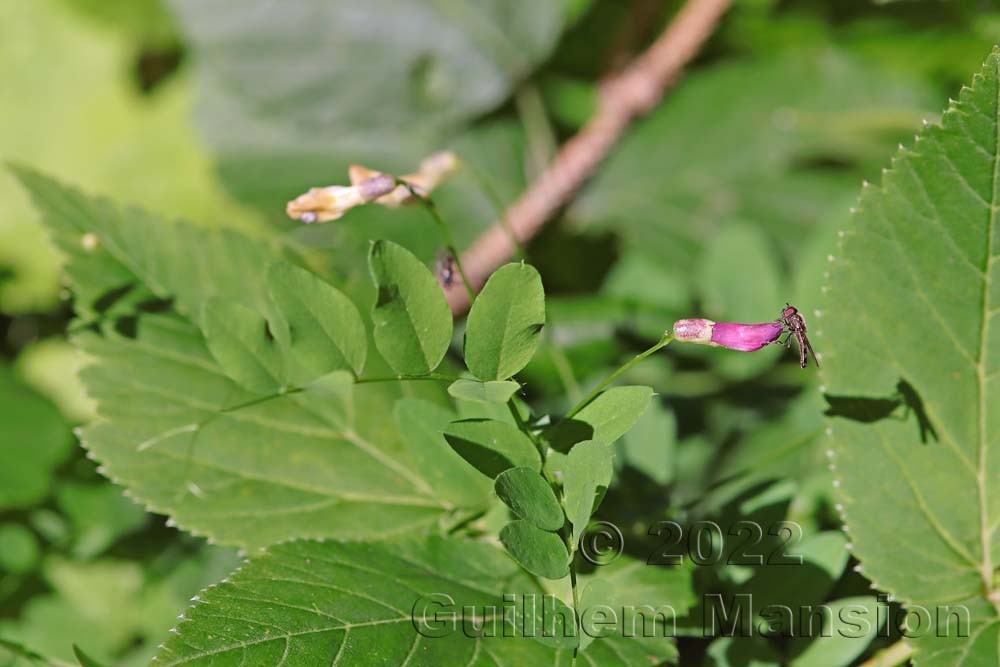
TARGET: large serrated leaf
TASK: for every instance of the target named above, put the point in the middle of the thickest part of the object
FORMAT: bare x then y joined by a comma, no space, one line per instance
243,468
331,603
911,357
397,77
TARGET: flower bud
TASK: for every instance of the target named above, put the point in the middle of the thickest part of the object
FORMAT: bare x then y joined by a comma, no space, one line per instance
731,335
368,185
324,204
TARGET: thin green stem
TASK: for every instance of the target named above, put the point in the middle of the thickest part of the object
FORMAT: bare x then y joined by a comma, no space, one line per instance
449,241
576,607
621,369
407,378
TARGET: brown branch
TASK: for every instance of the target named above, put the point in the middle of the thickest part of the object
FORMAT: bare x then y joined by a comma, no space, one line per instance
621,99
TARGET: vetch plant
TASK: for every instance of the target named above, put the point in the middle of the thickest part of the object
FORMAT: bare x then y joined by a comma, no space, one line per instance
239,394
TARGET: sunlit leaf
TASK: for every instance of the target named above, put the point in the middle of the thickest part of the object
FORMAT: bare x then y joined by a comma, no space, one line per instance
505,323
587,474
412,321
911,361
243,345
494,391
325,332
306,603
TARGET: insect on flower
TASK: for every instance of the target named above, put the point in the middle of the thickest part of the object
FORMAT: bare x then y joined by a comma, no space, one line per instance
795,325
444,267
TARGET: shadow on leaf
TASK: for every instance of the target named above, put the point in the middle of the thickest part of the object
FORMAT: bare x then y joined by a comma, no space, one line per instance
869,410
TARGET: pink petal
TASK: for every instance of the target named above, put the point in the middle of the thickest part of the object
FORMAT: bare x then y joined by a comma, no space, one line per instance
745,337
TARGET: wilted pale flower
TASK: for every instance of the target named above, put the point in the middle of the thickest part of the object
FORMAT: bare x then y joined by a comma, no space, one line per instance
732,335
368,185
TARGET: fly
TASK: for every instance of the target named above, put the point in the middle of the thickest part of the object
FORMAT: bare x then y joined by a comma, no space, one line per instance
795,325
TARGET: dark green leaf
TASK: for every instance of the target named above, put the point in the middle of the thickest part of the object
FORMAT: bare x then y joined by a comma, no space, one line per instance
847,631
530,497
19,551
492,446
505,323
325,332
412,320
34,439
495,391
538,551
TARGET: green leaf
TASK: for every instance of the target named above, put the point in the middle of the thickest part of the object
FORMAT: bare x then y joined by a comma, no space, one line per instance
306,603
587,474
421,424
34,438
495,391
240,467
412,320
19,551
765,165
910,339
266,108
739,282
847,632
650,446
605,419
108,145
325,331
636,593
743,652
530,497
505,323
242,343
492,446
100,514
795,585
84,659
140,257
540,552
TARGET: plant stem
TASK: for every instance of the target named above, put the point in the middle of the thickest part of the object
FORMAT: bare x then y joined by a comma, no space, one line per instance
407,378
449,241
576,608
621,369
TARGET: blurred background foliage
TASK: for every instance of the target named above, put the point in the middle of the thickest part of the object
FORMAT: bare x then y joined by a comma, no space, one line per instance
723,203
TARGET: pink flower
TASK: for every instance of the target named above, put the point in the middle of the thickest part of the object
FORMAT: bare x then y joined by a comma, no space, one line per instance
742,337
